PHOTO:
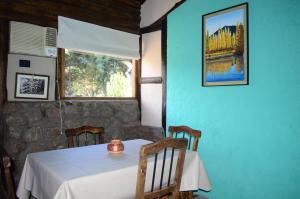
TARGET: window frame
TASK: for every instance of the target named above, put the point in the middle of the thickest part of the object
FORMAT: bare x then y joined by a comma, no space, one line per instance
60,78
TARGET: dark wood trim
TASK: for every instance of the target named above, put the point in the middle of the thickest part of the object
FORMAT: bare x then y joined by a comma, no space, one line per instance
151,28
164,37
59,86
2,83
4,41
139,76
158,23
25,18
120,15
97,98
151,80
134,77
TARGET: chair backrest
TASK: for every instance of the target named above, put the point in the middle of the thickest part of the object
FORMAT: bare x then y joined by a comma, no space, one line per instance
164,188
84,132
186,132
6,177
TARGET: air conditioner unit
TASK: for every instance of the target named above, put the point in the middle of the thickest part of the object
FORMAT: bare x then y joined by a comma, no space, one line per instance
32,39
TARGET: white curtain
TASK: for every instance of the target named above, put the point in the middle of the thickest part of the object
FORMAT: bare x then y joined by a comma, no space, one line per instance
82,36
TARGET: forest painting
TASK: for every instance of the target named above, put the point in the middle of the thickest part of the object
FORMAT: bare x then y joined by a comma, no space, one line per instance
31,86
225,47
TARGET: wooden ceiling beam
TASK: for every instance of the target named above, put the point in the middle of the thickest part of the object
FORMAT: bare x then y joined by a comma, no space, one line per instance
121,15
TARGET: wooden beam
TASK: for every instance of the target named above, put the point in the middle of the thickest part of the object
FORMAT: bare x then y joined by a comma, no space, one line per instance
134,77
60,87
3,59
152,28
139,76
120,15
164,48
151,80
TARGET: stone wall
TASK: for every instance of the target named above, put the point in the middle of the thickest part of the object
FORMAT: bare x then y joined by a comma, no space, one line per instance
35,126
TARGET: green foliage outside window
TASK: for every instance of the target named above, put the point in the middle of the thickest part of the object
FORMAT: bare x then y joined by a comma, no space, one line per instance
90,75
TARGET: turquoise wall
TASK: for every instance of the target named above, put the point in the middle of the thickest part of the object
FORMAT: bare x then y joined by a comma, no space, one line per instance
251,134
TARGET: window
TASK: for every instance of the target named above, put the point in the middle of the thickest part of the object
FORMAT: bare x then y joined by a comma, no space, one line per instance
87,75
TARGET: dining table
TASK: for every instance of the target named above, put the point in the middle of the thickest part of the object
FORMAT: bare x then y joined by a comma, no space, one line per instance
92,172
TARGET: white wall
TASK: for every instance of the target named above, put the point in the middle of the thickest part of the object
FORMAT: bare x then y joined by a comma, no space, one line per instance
151,54
152,10
151,98
151,94
38,65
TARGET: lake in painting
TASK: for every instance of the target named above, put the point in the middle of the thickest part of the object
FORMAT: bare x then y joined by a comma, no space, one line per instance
224,49
226,69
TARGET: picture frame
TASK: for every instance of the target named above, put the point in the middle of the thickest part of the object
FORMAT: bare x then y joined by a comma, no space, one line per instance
31,86
225,49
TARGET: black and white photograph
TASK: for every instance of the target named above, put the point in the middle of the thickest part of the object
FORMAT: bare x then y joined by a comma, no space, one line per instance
31,86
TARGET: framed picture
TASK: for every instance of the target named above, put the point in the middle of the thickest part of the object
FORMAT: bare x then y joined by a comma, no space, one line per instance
225,47
32,86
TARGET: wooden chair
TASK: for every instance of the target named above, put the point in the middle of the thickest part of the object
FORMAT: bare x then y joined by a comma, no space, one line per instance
154,149
7,185
174,131
77,133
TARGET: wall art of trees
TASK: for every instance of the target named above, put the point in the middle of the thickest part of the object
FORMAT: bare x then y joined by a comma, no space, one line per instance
226,41
32,86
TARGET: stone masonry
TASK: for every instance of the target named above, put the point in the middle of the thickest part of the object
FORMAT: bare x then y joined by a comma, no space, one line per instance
35,126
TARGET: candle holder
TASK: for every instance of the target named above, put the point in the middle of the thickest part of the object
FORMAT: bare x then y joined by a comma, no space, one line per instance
115,146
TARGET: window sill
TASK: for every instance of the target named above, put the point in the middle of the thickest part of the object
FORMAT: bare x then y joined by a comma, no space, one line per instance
97,98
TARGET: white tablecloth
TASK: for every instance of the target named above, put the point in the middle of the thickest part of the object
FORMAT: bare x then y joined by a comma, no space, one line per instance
91,172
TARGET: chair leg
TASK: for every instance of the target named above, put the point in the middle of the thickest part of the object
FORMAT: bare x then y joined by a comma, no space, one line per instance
186,195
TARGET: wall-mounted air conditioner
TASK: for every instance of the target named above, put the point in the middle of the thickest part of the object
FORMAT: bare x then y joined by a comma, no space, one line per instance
32,39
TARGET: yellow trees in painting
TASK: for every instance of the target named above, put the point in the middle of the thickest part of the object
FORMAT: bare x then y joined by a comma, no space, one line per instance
239,39
225,41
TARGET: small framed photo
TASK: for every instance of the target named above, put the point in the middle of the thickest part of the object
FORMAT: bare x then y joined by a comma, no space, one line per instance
225,47
32,86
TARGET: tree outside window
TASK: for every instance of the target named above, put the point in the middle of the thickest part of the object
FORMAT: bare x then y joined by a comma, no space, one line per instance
93,75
